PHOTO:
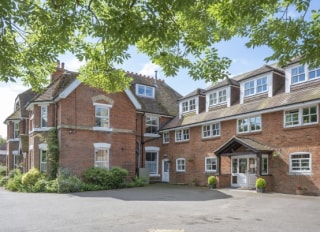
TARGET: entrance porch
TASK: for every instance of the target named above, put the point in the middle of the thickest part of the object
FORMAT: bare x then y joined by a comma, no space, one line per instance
247,159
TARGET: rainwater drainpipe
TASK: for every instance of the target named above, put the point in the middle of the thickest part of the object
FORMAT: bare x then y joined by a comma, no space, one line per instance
141,141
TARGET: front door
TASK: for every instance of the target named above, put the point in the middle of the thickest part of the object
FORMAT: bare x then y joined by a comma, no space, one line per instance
243,170
165,170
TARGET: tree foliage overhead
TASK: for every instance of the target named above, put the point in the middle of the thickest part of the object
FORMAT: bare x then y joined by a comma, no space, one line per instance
172,33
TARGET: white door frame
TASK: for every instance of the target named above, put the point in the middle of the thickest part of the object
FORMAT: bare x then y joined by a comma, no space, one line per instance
165,177
245,178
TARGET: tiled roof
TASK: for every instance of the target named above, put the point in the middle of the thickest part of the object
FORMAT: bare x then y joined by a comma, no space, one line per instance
196,92
279,100
235,142
56,87
165,101
24,99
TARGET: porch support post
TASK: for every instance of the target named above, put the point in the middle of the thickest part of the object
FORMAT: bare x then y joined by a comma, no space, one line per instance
259,164
219,165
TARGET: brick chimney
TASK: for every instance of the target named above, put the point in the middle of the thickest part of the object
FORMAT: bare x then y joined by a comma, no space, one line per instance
59,71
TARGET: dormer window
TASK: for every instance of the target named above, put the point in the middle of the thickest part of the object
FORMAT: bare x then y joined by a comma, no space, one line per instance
297,74
218,97
256,86
145,91
189,105
314,73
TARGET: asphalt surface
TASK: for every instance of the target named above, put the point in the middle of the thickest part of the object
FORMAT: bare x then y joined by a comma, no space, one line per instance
159,208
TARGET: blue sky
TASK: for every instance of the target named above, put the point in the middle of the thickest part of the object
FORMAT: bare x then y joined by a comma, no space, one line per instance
243,60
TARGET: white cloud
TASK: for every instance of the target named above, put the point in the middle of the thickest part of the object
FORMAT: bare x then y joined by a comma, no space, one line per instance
74,64
148,69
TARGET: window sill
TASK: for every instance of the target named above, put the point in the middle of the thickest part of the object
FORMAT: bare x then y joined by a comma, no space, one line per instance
300,174
154,175
101,129
151,135
180,171
311,125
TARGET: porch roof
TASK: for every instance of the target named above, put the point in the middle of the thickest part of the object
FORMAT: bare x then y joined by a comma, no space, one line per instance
229,148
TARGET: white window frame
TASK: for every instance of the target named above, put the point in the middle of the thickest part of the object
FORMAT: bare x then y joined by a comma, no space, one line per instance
253,86
212,127
16,130
300,161
182,135
249,120
16,158
105,147
306,74
300,115
152,121
207,165
43,147
217,97
106,107
314,70
44,116
189,105
298,74
264,161
145,91
166,137
180,165
153,150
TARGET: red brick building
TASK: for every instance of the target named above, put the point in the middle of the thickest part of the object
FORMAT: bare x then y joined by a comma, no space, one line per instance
261,123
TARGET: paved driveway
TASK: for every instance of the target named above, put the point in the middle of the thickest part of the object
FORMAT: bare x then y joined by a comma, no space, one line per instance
158,208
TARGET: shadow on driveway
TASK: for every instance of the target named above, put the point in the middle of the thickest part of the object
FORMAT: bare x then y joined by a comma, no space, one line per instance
159,192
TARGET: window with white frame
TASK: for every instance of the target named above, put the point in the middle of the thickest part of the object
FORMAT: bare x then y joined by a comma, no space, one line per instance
211,130
44,116
166,137
249,124
264,165
210,164
102,115
144,90
101,157
16,158
181,165
152,162
152,125
218,97
314,73
301,116
259,85
16,130
300,162
182,135
189,105
298,74
43,160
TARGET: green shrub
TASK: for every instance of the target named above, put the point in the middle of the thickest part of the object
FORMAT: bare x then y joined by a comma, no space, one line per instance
30,178
15,181
212,180
136,182
261,183
115,178
3,171
67,183
4,180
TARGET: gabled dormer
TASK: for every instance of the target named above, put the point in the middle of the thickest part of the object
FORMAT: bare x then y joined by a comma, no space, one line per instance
222,94
260,83
193,103
299,76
